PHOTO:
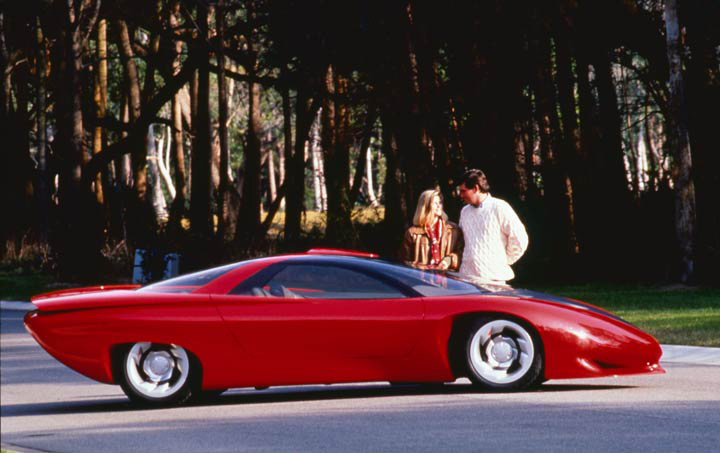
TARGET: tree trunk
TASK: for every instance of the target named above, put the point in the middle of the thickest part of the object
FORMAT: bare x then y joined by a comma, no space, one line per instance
43,192
285,153
251,192
574,158
222,127
200,212
100,98
80,238
305,110
558,225
653,162
272,182
317,168
156,197
680,146
164,145
138,154
371,198
610,158
591,232
364,156
703,93
396,211
177,208
336,160
123,166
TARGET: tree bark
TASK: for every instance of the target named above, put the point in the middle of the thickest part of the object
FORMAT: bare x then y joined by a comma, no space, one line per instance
222,126
703,95
285,153
396,209
177,208
680,146
156,199
251,192
101,88
138,154
556,198
574,157
317,168
336,160
610,158
363,156
305,110
80,237
43,192
200,212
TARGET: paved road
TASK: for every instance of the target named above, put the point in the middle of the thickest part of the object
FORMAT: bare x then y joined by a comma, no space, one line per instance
47,407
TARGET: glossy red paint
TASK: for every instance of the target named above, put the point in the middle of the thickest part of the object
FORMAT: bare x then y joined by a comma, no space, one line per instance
87,289
243,340
577,343
341,252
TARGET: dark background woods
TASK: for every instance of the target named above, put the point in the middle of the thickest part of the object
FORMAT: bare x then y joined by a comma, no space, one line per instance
186,126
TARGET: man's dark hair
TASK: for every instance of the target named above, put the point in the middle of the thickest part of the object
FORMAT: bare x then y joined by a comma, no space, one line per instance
475,177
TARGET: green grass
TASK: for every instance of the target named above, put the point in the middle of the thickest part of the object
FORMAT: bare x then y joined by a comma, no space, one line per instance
672,314
22,286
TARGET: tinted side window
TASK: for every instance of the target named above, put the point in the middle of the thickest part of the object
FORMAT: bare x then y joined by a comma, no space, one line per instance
190,282
327,282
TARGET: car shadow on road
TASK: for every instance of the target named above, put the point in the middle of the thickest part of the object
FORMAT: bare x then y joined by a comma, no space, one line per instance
283,395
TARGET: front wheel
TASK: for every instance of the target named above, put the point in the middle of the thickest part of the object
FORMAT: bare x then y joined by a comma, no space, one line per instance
153,373
503,354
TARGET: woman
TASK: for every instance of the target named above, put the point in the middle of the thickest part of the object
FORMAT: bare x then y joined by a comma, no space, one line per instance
430,242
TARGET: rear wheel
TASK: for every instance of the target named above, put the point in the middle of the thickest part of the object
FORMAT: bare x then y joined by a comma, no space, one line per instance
153,373
503,354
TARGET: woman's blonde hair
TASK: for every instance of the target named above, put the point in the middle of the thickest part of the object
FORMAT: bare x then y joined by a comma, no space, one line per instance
424,207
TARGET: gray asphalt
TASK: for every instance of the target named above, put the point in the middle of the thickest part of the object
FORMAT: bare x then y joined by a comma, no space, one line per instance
47,407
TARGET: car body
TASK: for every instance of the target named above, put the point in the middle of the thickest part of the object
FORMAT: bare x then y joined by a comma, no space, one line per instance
328,316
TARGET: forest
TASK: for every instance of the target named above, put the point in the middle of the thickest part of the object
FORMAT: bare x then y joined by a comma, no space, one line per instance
194,126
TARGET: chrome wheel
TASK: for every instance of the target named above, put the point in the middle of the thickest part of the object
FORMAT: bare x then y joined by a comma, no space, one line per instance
502,354
155,372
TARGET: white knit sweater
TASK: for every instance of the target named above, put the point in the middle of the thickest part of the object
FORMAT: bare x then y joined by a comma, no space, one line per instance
494,239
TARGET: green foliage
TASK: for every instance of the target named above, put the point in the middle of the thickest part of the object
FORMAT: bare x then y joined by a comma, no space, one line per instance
21,285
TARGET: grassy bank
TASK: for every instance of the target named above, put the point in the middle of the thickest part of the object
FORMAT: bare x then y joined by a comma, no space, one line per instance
17,285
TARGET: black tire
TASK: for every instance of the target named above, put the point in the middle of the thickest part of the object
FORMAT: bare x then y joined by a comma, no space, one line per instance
158,374
503,353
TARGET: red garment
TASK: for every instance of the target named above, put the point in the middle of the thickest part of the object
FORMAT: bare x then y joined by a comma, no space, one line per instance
434,234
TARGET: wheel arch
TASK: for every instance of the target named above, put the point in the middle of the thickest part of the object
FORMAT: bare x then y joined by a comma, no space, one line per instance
460,328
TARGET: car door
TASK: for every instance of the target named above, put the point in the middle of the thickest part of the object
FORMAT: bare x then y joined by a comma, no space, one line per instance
309,314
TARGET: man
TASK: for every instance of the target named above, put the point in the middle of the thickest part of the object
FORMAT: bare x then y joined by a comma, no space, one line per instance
494,235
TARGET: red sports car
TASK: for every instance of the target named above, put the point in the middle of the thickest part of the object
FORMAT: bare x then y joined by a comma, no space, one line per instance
328,316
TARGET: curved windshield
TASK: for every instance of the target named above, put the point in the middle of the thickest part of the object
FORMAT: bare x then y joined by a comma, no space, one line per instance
190,282
435,283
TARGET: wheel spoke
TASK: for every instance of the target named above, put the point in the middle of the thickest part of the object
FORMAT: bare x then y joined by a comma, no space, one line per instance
522,343
523,359
156,374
